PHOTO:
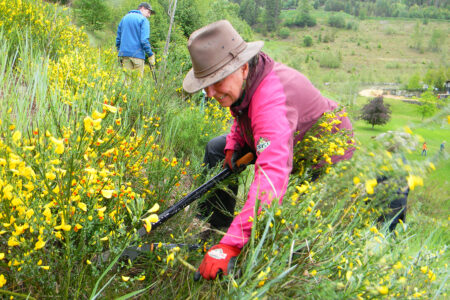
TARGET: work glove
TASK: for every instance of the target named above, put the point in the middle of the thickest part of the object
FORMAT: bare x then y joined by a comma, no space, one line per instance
231,157
220,259
151,60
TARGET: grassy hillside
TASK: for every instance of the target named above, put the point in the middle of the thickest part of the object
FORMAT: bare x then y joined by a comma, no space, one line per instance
378,51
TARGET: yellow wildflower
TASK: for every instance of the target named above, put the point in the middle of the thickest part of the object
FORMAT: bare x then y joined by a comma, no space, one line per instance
17,136
110,108
96,115
82,206
59,144
39,244
2,280
414,181
88,124
383,290
107,193
154,208
370,184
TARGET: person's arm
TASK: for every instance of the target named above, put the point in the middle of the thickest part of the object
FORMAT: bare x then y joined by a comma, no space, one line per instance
119,36
235,141
273,136
145,36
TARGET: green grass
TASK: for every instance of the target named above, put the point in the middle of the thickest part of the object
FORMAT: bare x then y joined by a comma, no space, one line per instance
368,54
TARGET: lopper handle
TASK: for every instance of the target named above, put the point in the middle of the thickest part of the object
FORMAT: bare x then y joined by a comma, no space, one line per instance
245,160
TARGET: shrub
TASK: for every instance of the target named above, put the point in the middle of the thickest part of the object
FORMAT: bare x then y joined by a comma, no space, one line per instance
284,32
305,20
352,25
307,41
329,37
337,21
330,60
414,83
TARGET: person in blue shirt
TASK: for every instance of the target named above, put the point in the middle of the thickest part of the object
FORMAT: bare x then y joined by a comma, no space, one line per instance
132,40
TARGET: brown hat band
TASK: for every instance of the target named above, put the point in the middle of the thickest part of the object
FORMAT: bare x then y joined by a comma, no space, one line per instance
231,55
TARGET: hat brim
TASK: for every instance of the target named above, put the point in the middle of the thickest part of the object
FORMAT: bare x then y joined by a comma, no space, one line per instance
192,84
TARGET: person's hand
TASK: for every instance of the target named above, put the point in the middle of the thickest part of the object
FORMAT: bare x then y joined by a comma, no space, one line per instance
220,259
151,60
230,159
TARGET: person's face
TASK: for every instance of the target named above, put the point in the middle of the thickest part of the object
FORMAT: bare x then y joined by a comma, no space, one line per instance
146,12
228,90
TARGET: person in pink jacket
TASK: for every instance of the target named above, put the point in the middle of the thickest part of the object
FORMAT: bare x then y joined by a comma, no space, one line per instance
273,107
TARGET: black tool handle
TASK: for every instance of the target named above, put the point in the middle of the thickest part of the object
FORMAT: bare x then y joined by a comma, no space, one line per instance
197,193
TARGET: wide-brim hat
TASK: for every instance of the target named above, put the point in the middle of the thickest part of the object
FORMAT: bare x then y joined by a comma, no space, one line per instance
216,50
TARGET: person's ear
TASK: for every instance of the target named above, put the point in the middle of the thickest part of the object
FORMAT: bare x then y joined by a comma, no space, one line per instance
245,69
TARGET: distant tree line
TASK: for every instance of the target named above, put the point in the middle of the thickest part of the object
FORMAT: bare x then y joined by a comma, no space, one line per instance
262,15
430,9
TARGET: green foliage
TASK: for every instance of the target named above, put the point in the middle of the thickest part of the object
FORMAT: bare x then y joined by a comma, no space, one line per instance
188,16
272,14
385,8
93,14
437,40
414,83
329,36
376,112
418,38
284,32
307,41
427,106
223,9
249,11
337,21
436,78
330,60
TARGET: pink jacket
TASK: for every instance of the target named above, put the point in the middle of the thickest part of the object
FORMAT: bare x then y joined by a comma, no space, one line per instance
278,102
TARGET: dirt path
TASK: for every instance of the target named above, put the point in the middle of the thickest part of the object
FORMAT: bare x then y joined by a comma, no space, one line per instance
372,93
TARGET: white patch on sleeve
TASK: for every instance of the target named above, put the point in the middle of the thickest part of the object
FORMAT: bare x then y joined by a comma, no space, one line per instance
263,143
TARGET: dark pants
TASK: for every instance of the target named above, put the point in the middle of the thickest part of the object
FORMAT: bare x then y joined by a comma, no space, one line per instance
397,206
219,207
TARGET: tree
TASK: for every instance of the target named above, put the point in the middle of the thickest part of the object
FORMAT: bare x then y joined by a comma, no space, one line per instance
188,16
272,14
375,112
92,13
249,11
304,17
427,105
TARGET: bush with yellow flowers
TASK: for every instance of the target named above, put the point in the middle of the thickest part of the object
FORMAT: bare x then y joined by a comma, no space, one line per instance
42,23
83,154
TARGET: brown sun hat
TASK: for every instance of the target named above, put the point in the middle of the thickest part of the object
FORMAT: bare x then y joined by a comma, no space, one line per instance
216,50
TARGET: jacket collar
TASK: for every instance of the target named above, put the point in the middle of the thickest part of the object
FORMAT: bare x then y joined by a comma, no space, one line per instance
264,66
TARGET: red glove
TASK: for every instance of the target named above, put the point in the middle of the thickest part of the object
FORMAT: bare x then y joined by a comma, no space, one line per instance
219,259
229,159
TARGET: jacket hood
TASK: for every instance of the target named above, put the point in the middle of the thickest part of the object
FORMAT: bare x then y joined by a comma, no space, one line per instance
264,66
